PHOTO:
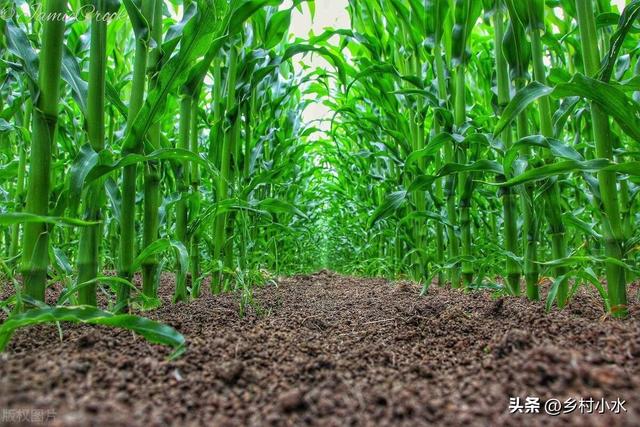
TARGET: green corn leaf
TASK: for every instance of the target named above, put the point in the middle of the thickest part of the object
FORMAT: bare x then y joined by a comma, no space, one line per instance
19,45
100,169
588,260
429,96
392,202
115,198
138,21
9,170
519,103
70,73
553,291
202,33
466,14
629,16
86,160
435,13
61,261
161,245
515,46
624,110
571,220
11,218
152,331
240,15
560,117
424,182
557,148
213,210
298,48
114,97
68,293
279,206
425,215
588,275
174,33
277,27
433,147
570,166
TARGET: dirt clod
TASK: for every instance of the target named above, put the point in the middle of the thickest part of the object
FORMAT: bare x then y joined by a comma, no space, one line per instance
230,372
292,400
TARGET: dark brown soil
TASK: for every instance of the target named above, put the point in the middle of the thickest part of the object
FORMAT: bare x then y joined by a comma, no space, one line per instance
331,350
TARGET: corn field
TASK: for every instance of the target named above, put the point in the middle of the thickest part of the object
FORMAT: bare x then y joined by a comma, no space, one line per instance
484,146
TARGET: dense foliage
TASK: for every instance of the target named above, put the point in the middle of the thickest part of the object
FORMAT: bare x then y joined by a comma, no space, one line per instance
485,143
480,143
149,136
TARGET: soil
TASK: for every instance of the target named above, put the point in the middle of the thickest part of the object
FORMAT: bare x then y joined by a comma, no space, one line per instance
325,349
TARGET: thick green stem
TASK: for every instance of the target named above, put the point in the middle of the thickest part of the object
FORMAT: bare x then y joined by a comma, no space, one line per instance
440,243
216,146
152,202
529,220
553,208
453,244
248,140
510,213
421,204
129,173
90,237
217,108
465,182
35,256
231,217
612,224
221,245
439,225
625,206
152,195
194,208
183,188
19,196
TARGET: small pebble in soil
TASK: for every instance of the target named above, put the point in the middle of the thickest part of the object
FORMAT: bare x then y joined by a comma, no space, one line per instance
292,400
230,372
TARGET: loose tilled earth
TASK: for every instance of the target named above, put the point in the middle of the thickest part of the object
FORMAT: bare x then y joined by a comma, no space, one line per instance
330,350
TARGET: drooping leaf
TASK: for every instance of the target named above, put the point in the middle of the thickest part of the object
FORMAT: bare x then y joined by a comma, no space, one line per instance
277,27
10,218
519,103
154,332
627,19
70,73
392,202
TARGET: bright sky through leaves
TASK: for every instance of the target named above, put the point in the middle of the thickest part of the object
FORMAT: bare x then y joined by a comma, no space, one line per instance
330,13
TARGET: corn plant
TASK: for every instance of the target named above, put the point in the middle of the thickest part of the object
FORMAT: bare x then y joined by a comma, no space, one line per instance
477,143
507,173
113,183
